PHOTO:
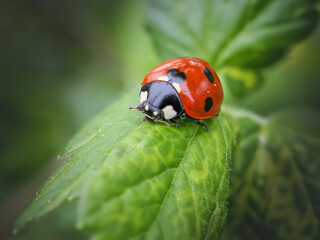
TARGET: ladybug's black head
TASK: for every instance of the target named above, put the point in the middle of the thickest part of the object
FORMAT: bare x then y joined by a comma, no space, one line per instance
152,113
160,101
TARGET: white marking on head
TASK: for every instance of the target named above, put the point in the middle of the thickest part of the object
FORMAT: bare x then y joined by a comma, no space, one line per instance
169,112
164,78
143,96
155,113
146,107
177,87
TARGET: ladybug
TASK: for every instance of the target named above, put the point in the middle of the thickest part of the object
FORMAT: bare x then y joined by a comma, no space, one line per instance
179,88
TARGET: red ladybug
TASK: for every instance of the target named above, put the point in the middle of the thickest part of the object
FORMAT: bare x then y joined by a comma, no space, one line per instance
178,88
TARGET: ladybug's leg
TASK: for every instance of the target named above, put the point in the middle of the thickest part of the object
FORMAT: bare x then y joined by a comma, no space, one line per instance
151,119
174,122
201,124
157,120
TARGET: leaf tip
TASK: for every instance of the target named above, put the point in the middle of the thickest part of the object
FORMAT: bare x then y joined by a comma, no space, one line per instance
18,225
15,231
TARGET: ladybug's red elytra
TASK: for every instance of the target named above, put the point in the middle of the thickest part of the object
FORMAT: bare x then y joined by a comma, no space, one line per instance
179,88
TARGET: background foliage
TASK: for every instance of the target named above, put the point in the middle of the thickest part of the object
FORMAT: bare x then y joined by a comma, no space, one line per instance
64,62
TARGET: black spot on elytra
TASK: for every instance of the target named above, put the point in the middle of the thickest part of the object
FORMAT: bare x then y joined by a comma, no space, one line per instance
208,104
209,75
175,76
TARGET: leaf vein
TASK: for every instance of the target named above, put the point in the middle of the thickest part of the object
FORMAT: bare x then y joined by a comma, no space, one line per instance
238,33
174,179
220,184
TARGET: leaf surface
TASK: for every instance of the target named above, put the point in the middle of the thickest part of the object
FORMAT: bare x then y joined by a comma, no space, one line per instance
275,178
162,183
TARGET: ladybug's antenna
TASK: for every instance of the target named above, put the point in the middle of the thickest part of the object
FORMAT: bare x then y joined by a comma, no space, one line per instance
156,120
136,109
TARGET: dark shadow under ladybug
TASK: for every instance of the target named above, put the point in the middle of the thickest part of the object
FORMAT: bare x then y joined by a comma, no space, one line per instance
160,102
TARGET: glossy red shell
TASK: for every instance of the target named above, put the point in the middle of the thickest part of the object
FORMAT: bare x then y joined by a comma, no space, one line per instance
196,89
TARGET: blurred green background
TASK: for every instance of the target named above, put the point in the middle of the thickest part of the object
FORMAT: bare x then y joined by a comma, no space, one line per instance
62,62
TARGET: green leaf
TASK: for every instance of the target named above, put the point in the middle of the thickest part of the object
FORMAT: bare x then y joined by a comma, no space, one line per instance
85,153
275,177
162,183
133,168
242,34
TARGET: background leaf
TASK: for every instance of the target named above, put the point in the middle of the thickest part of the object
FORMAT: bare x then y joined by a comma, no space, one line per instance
240,82
243,34
275,182
232,32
